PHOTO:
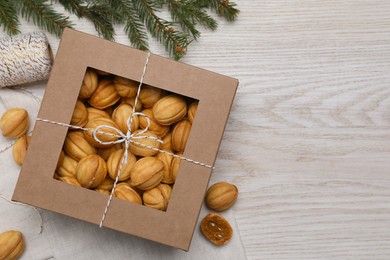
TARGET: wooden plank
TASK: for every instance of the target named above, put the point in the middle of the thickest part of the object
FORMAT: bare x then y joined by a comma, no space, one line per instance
308,139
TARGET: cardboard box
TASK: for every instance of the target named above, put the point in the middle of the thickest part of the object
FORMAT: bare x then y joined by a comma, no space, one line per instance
36,185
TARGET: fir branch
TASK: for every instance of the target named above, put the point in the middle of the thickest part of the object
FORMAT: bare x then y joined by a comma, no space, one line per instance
138,17
200,15
222,7
9,17
175,42
134,28
99,14
187,13
72,6
181,14
43,15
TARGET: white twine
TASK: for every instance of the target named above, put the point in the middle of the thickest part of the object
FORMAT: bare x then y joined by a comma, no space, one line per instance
121,140
126,138
28,93
38,100
34,208
8,146
24,58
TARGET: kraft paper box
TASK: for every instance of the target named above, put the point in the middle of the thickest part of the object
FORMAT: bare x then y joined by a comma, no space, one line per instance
175,226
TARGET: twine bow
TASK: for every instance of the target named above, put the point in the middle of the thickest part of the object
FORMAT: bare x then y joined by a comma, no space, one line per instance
128,137
123,138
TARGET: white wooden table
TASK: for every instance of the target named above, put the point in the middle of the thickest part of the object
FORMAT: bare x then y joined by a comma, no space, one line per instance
307,143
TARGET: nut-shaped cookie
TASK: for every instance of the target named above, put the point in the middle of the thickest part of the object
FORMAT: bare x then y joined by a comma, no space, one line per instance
102,137
104,96
20,148
80,115
96,113
125,192
140,192
141,150
89,84
11,245
146,173
167,160
167,142
67,168
121,115
149,95
170,109
91,171
221,196
180,134
131,102
125,87
77,146
175,165
159,130
114,162
106,152
70,180
107,184
105,192
157,197
14,122
192,111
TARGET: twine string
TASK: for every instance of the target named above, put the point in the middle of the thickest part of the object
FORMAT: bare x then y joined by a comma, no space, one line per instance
10,145
28,93
131,141
127,140
124,138
22,204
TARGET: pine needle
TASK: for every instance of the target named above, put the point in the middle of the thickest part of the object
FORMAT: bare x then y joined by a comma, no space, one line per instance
181,14
8,17
224,8
99,14
188,13
200,15
175,41
134,28
137,16
43,15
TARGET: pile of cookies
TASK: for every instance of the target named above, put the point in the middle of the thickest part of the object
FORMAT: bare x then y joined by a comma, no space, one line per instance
148,175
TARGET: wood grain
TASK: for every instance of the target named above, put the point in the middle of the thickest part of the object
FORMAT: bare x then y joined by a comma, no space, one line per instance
308,141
